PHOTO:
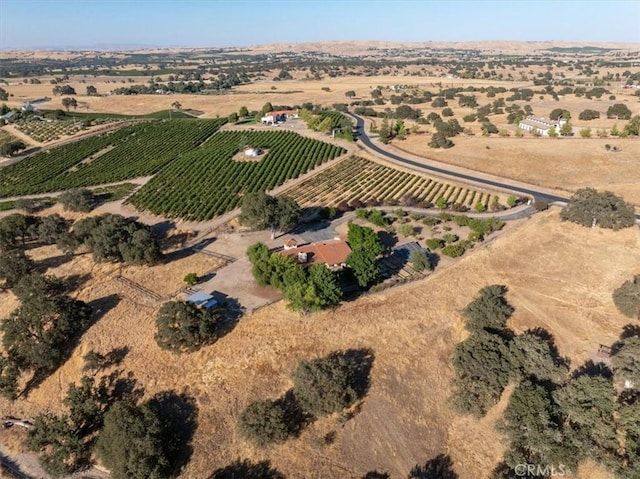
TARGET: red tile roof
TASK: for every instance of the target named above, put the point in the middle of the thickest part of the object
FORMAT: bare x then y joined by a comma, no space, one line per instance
331,252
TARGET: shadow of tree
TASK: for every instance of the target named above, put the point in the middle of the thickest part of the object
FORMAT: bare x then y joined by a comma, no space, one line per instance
592,369
388,239
297,419
630,331
92,311
102,306
179,413
75,281
376,475
118,386
52,262
360,362
96,362
440,467
247,470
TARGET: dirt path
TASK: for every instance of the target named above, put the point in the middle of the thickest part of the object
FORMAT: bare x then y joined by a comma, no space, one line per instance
136,181
13,130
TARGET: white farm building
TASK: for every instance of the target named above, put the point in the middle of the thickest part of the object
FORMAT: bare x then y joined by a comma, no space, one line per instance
541,126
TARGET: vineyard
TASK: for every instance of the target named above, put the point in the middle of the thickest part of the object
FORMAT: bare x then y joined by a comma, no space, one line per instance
50,130
207,182
363,180
129,152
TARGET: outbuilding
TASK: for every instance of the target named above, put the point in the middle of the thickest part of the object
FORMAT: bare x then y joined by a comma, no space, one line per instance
202,300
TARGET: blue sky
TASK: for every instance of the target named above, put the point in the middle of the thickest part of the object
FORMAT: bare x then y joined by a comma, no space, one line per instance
222,23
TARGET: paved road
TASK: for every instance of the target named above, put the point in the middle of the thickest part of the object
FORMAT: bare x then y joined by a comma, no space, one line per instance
529,190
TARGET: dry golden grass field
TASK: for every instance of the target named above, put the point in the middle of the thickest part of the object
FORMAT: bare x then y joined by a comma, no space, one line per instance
565,164
560,277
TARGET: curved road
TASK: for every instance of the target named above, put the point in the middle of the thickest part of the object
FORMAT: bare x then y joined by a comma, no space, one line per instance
529,190
538,195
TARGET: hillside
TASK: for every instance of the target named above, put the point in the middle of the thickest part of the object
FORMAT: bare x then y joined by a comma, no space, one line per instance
559,277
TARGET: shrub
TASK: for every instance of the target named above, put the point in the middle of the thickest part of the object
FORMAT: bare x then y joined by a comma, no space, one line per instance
450,238
431,221
191,279
441,203
479,207
627,298
459,208
419,261
453,250
406,230
434,243
606,209
541,205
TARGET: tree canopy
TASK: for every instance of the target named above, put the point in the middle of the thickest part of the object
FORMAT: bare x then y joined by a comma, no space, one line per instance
627,298
183,327
606,209
79,199
489,309
118,239
261,211
332,383
131,444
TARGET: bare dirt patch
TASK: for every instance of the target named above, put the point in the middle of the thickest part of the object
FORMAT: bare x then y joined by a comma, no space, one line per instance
243,156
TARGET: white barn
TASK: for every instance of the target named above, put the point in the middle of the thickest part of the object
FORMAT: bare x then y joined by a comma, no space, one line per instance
541,126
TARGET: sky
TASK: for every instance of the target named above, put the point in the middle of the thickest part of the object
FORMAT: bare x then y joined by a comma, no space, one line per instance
35,24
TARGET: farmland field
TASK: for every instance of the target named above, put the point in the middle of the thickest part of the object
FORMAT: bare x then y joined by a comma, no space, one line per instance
364,180
127,153
207,182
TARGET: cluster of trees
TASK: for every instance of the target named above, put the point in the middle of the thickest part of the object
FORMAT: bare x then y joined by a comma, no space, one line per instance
321,387
619,111
39,335
444,131
306,289
136,441
63,90
588,207
551,417
69,102
114,238
316,122
262,211
109,237
388,131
